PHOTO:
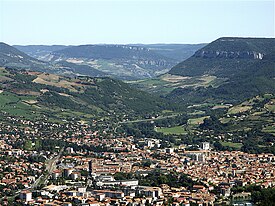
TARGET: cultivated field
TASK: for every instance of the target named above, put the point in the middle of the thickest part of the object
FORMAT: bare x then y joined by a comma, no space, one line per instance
177,130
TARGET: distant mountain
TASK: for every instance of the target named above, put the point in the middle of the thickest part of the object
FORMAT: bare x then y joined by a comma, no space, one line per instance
39,51
225,57
226,70
127,62
12,57
120,61
178,52
246,65
71,69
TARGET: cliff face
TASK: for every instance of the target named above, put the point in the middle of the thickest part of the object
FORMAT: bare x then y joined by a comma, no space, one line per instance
243,67
226,57
229,54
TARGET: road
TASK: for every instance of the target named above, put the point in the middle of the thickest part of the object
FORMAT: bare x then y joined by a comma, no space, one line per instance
147,120
50,167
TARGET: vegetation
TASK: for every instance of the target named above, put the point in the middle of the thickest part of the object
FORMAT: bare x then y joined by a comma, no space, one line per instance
171,130
232,108
156,178
230,56
173,179
259,196
61,97
232,76
120,61
264,197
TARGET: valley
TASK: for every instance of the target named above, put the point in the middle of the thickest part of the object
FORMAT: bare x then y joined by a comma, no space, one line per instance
74,121
125,62
137,103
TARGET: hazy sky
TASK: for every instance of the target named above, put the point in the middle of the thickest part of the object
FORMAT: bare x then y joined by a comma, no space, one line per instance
132,21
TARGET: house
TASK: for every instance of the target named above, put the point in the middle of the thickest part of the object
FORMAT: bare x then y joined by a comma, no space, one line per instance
26,196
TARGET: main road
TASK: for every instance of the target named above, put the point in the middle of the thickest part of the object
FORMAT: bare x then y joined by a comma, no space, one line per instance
50,167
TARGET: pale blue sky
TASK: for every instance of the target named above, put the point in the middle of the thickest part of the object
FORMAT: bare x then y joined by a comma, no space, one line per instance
133,21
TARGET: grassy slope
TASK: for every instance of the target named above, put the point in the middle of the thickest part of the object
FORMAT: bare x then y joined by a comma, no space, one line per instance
221,66
166,83
171,130
251,114
239,78
62,97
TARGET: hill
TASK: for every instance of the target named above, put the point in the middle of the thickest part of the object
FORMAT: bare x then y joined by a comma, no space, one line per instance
12,57
247,64
71,69
36,94
226,70
120,61
128,62
178,52
226,57
39,51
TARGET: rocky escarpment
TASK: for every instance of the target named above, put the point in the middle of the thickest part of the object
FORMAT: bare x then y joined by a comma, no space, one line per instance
227,57
229,54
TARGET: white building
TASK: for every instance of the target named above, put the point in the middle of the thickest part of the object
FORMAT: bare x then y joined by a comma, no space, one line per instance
70,150
152,143
169,150
205,145
118,182
26,196
154,192
81,189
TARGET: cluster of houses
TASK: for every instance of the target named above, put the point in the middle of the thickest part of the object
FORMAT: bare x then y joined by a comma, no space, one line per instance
80,176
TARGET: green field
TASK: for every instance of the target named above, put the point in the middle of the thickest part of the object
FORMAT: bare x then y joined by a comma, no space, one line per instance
232,144
271,106
3,72
166,83
154,85
171,130
166,111
239,109
25,106
15,105
197,121
197,112
269,129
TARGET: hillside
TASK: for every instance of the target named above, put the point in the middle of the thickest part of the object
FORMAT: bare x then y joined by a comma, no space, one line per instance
178,52
226,70
35,94
128,62
226,57
71,69
12,57
39,51
120,61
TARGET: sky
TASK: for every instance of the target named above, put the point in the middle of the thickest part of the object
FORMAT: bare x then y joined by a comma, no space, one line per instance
75,22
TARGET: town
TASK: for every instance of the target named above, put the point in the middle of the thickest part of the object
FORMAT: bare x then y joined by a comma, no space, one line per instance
137,103
74,163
